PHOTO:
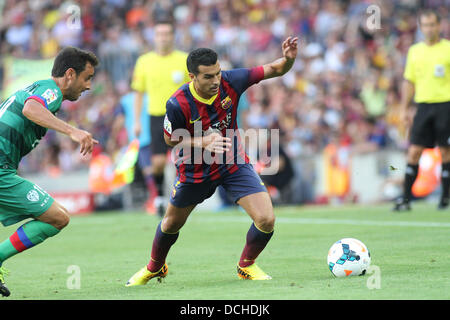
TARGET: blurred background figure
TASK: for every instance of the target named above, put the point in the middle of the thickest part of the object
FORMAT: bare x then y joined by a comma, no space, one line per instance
124,124
158,73
427,80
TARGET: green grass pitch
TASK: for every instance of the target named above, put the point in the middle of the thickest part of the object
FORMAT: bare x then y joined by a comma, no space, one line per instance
103,250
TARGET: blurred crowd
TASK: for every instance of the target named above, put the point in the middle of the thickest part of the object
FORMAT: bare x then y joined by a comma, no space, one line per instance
344,87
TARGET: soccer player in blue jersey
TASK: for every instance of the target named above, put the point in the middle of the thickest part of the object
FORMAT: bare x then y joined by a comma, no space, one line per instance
210,102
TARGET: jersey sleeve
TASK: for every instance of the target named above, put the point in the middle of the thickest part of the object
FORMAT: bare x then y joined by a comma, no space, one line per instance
241,79
174,118
49,97
409,71
138,80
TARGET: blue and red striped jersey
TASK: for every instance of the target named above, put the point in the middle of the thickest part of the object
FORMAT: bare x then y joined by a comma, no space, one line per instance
185,110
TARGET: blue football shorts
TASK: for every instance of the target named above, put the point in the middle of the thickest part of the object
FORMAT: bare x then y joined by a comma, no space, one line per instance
241,183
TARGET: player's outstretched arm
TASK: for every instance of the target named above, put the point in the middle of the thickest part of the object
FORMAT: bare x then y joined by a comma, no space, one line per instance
280,66
35,112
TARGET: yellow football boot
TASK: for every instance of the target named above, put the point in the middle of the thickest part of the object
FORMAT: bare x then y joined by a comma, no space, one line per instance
3,289
252,272
143,276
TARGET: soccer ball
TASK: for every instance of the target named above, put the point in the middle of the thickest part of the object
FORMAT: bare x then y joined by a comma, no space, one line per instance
348,257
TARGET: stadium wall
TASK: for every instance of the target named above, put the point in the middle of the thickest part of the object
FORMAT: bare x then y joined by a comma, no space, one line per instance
373,177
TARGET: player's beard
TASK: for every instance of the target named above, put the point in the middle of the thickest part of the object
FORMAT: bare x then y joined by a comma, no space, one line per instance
74,95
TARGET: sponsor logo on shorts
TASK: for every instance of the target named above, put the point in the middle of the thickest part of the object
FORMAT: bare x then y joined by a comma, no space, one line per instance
33,196
174,190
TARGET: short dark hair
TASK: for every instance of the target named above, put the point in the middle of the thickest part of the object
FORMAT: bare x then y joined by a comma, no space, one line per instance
166,20
429,12
200,57
75,58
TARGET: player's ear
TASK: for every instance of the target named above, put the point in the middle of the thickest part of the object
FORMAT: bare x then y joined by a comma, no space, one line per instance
70,73
192,76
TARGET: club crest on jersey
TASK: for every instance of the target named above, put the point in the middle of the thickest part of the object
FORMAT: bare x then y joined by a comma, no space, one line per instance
33,196
226,103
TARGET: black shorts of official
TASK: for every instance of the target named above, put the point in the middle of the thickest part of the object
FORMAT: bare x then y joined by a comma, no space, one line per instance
158,145
431,125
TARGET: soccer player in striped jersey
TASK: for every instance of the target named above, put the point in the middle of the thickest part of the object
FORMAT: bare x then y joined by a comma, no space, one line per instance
25,118
208,103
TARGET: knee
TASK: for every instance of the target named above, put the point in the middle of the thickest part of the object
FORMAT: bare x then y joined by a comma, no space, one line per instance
158,168
158,163
265,223
171,225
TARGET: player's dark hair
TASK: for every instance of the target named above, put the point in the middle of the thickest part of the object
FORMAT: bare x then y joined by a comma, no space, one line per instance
200,57
429,12
166,20
71,57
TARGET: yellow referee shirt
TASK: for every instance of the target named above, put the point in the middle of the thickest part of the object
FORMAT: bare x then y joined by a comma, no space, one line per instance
159,77
428,67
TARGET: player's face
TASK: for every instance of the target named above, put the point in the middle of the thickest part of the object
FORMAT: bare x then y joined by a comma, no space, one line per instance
430,27
207,81
164,38
80,83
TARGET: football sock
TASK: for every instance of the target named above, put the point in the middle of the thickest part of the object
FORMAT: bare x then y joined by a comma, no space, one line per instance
28,235
161,246
159,181
256,242
151,186
445,180
410,176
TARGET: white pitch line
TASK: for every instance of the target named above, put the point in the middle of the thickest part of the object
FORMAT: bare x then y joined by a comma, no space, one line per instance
332,221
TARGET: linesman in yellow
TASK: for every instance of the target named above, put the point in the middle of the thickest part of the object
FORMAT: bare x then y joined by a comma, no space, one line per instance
427,79
159,74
